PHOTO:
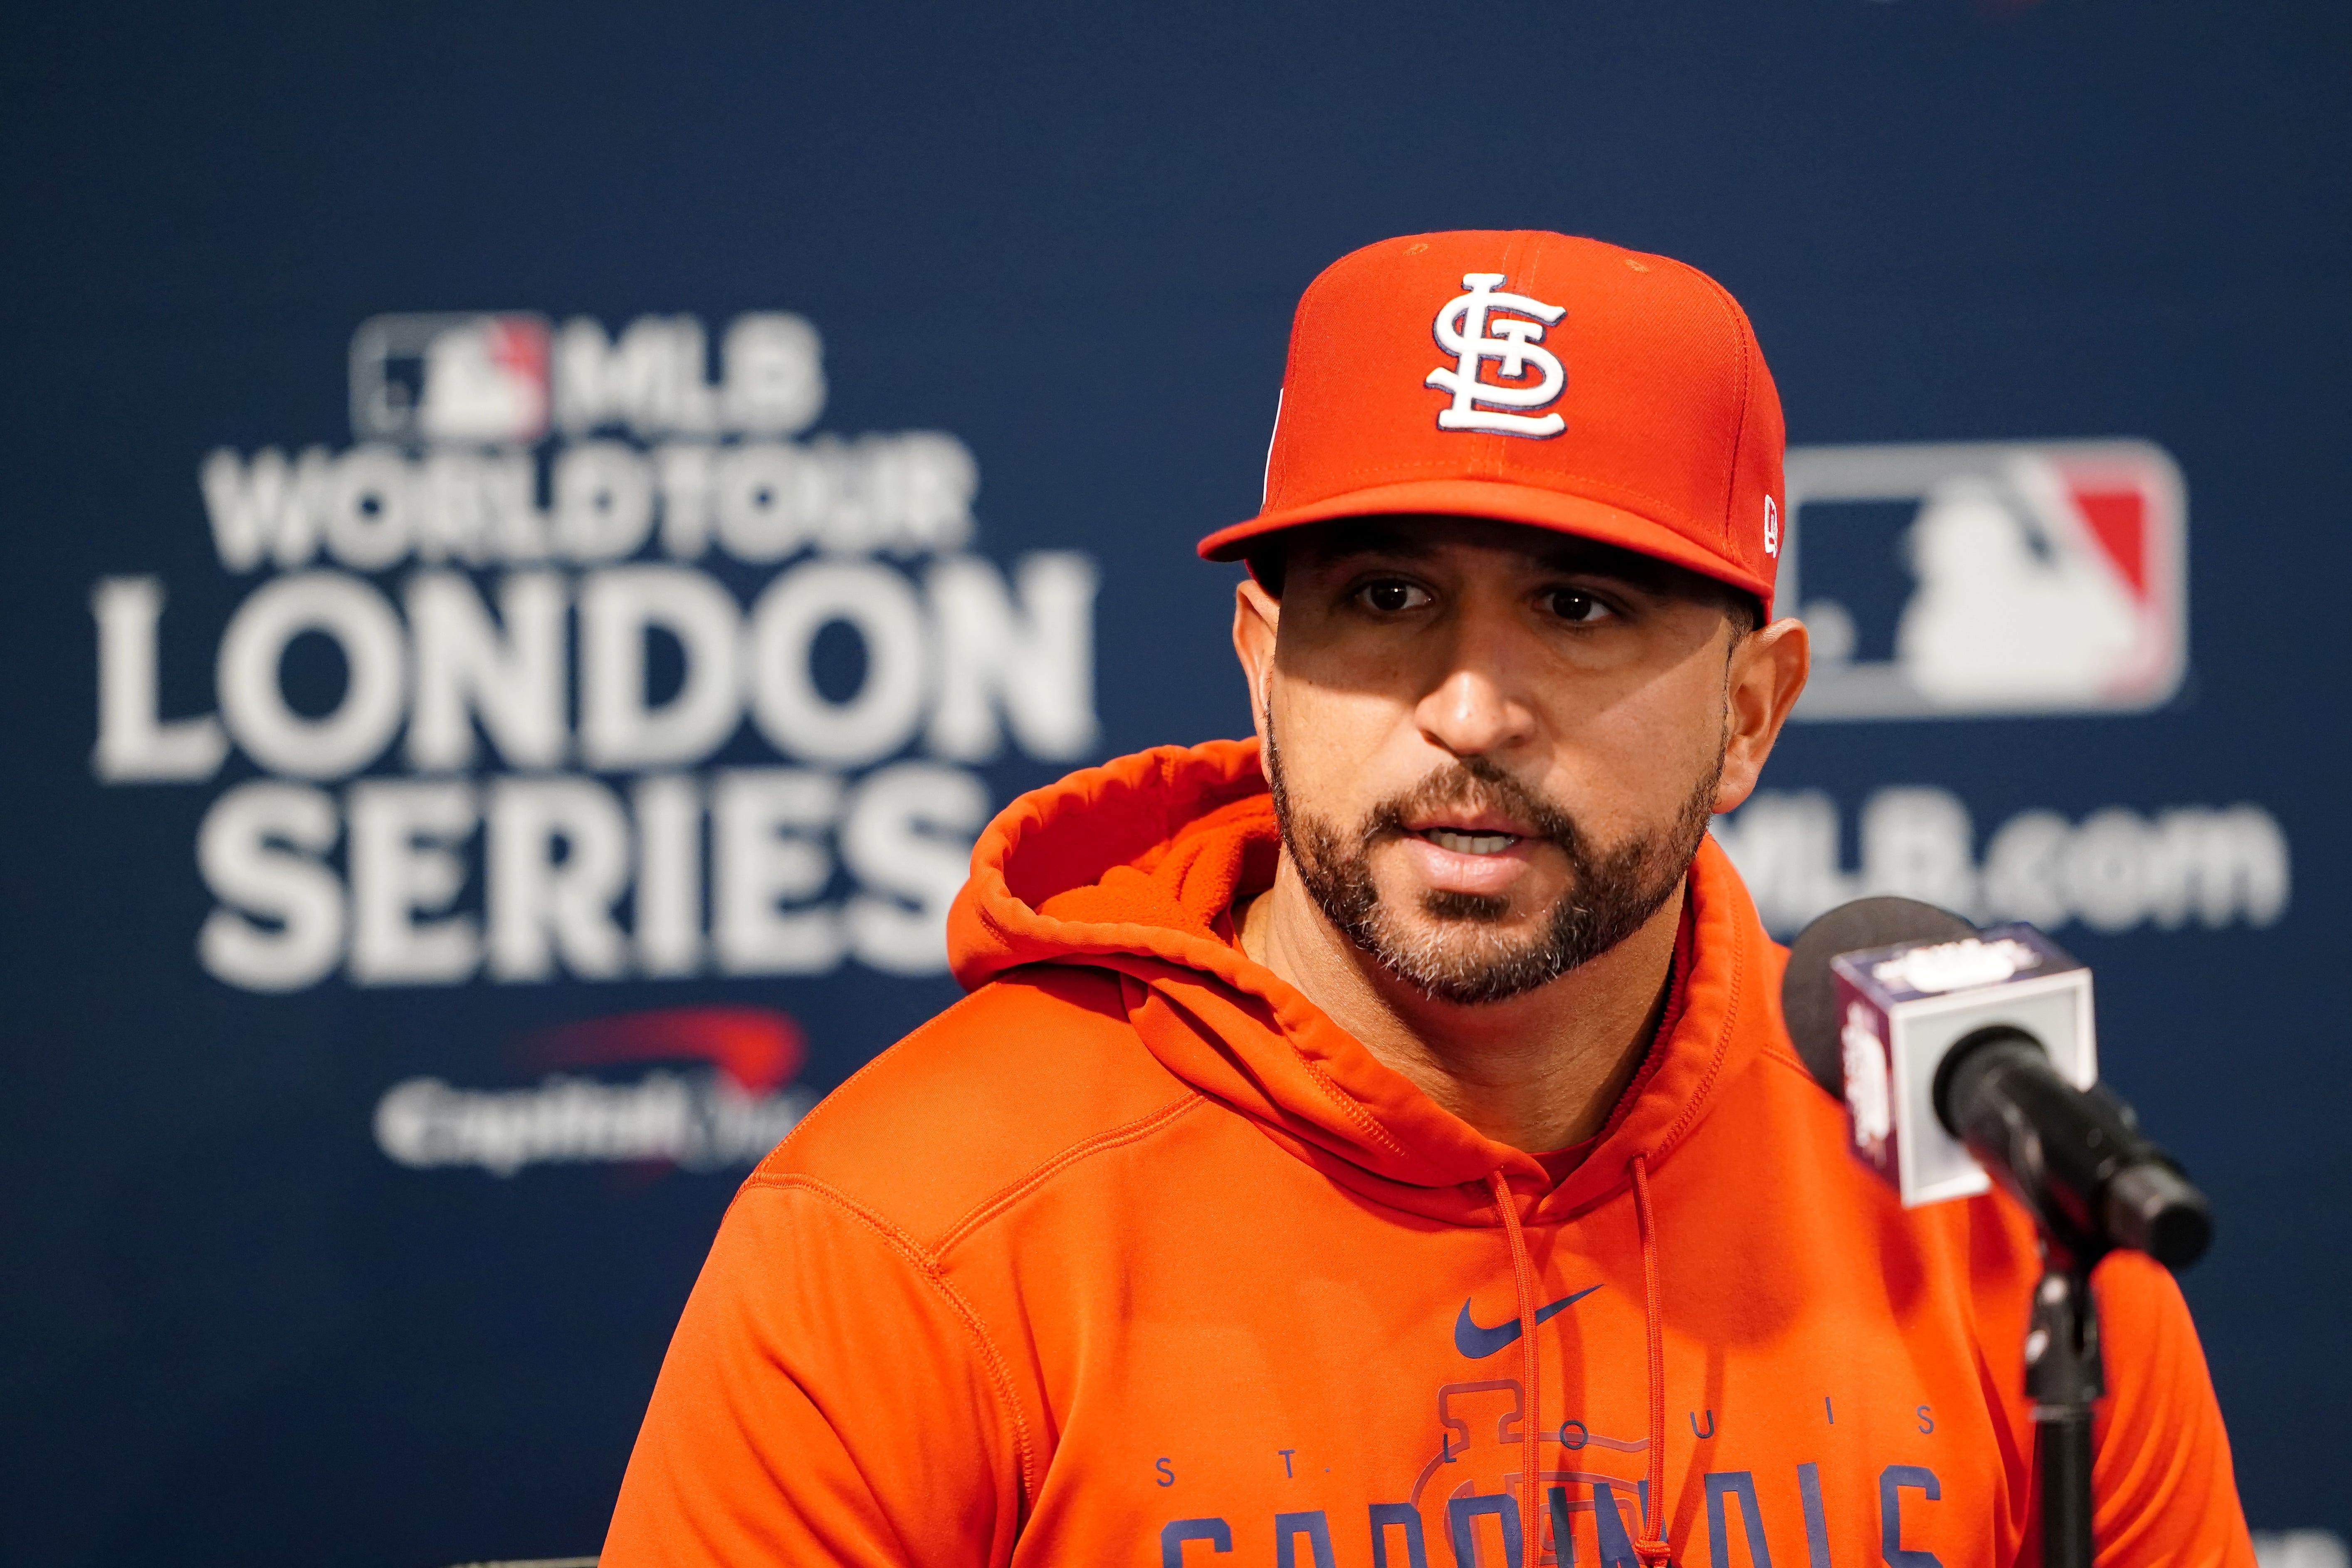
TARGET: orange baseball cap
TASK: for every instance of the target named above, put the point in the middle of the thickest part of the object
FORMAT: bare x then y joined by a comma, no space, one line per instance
1535,378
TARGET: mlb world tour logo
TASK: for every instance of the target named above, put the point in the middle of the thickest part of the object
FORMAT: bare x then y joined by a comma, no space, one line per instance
524,568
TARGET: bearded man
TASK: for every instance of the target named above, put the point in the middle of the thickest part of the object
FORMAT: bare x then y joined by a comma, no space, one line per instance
1376,1142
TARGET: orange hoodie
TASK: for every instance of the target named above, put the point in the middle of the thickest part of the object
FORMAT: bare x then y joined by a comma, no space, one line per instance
1134,1257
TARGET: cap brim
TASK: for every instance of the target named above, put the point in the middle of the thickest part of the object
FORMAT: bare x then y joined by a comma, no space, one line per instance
1504,502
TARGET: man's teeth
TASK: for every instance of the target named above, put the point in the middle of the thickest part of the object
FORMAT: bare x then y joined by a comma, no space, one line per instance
1470,842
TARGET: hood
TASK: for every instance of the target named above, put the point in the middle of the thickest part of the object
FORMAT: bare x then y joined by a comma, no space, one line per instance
1129,867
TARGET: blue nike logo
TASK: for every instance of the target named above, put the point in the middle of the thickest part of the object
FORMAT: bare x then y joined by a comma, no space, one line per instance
1475,1341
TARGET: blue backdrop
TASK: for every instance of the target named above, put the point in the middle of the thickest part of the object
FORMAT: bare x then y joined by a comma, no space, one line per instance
540,530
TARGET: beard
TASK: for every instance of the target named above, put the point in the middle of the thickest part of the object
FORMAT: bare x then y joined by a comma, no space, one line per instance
1456,951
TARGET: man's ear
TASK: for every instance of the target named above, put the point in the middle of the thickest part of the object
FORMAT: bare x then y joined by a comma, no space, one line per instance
1257,615
1767,670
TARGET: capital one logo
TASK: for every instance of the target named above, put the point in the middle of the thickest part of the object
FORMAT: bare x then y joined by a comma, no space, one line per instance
1987,578
1469,329
740,1104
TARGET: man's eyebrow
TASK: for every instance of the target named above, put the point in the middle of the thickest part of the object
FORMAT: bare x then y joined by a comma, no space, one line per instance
1587,559
1567,554
1374,538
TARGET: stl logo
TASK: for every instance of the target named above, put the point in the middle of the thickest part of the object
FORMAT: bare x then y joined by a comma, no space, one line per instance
1467,329
441,377
1987,578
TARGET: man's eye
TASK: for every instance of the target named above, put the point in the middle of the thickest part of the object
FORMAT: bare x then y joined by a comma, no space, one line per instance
1390,598
1569,605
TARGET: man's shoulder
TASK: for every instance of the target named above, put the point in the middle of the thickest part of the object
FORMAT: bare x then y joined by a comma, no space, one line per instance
1012,1079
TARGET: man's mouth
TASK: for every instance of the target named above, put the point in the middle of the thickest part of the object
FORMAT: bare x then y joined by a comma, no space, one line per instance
1479,847
1462,841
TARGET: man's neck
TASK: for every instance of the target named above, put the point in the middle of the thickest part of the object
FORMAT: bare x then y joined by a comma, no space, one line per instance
1538,1072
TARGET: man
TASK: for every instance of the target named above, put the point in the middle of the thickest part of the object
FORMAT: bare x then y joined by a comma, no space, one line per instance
1377,1143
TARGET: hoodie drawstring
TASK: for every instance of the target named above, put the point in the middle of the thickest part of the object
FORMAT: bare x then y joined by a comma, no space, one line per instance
1652,1547
1523,1274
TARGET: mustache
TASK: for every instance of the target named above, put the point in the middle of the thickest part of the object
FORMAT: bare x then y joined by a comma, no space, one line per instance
1473,784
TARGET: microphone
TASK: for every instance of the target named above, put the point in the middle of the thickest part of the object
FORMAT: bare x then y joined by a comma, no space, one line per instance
1960,1052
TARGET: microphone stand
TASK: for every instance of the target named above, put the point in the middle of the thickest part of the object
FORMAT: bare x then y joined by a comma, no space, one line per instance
2065,1376
2093,1182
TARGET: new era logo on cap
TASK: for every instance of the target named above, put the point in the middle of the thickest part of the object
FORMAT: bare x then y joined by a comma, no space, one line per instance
1581,387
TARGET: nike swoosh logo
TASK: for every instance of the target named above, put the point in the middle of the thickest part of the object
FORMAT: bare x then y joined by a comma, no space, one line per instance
1475,1341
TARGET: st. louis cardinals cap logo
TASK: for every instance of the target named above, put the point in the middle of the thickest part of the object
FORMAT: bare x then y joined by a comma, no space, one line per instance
1469,329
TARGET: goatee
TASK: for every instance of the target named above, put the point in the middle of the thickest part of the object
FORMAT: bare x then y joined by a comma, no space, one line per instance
1456,954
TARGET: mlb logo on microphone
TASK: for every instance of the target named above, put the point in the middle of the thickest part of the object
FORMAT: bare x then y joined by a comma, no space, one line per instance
1987,578
478,379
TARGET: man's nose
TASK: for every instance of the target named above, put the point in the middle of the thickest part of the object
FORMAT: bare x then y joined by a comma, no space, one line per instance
1474,706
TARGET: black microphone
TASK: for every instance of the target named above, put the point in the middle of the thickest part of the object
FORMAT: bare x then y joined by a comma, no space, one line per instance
1960,1052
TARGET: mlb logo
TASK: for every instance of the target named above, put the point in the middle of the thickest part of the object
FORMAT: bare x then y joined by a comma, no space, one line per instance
474,379
1987,579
